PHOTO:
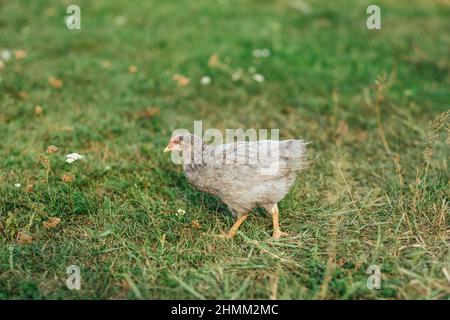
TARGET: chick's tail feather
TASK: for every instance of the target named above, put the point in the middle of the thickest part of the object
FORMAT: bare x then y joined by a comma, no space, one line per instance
296,154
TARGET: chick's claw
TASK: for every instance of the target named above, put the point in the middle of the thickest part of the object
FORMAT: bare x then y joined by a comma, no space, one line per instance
277,234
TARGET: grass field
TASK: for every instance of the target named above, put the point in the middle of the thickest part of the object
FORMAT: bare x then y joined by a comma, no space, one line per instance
373,103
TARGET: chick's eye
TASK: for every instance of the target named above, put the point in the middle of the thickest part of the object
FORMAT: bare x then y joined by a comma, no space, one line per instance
180,138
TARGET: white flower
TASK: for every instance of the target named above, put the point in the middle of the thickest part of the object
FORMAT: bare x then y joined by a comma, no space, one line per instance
408,92
205,80
5,55
72,157
301,6
180,212
261,53
17,185
236,75
265,53
258,77
120,20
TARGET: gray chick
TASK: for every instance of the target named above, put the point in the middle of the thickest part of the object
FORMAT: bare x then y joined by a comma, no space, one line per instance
244,174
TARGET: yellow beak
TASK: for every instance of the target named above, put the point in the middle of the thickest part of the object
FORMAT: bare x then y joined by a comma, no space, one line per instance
167,149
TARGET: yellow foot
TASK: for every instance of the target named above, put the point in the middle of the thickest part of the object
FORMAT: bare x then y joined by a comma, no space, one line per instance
278,233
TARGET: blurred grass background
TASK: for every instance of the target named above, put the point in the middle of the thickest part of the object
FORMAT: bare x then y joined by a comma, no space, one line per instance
372,102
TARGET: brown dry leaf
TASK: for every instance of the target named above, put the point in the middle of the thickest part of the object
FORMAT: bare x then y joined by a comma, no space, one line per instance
45,162
196,224
50,11
2,232
273,286
67,129
125,285
20,54
23,95
149,113
361,135
341,132
55,83
38,110
213,60
52,149
105,64
133,69
181,80
322,23
23,238
51,223
29,188
68,177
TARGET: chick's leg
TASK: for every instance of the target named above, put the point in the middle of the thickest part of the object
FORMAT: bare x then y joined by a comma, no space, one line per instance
232,232
276,226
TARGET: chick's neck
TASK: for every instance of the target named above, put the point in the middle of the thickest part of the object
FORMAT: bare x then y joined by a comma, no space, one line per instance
193,155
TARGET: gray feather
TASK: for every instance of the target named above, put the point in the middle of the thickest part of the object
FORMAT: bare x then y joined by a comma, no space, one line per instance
247,174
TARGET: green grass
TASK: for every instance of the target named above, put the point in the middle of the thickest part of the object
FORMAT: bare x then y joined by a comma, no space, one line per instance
328,80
